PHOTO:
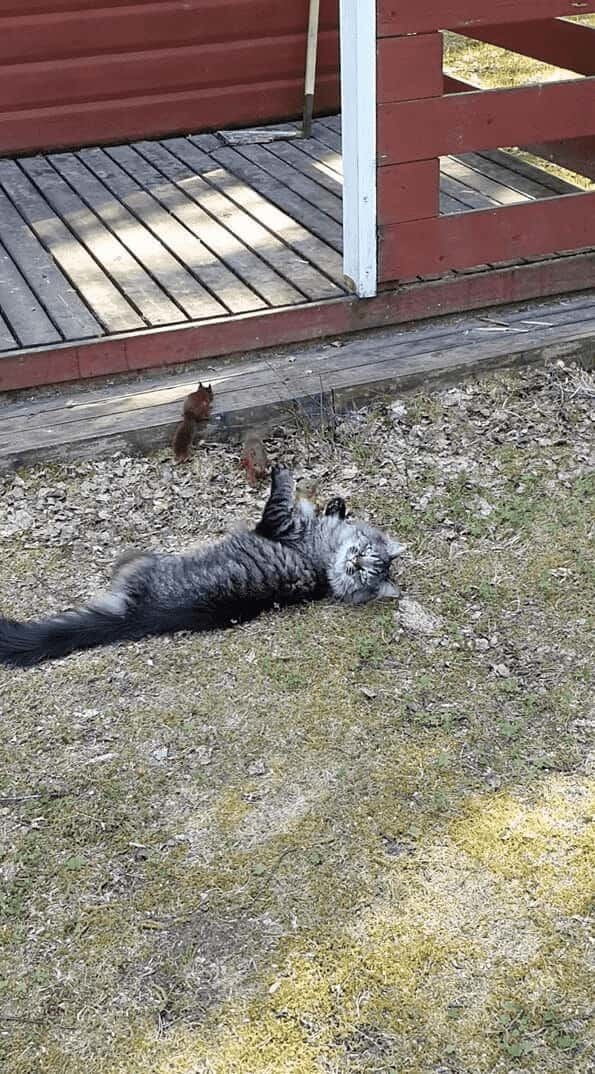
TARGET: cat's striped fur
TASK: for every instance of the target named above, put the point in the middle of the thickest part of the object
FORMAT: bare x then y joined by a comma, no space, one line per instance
292,555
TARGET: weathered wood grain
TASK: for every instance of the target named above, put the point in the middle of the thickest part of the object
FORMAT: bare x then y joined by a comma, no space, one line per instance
27,318
114,258
38,268
108,305
255,278
7,340
307,246
496,166
249,227
192,259
284,372
294,180
142,427
484,192
275,191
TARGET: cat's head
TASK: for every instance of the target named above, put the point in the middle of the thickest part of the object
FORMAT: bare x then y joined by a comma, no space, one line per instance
360,570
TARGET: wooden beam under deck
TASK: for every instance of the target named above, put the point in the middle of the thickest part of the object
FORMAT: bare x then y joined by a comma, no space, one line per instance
412,302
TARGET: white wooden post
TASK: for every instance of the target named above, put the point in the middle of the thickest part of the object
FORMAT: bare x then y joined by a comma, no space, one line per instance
358,108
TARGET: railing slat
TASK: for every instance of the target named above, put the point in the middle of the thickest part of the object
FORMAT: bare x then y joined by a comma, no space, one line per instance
466,122
563,44
424,247
423,16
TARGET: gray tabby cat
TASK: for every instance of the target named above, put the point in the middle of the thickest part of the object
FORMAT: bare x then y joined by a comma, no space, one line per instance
292,555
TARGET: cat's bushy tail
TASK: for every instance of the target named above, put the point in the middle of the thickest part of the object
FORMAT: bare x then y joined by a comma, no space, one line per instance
25,644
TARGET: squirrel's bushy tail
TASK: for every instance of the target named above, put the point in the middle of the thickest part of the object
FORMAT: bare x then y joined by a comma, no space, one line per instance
25,644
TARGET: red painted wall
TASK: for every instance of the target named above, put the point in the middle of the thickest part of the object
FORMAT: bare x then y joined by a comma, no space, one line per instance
75,72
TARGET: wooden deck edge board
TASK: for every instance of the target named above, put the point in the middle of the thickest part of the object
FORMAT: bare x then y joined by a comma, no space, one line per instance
382,344
199,342
344,390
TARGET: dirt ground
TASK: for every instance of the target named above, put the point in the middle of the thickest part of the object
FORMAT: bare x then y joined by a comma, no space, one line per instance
335,841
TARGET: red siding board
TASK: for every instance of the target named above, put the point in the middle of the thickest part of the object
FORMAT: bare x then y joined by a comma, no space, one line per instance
464,122
198,67
422,16
34,7
174,66
162,24
104,122
487,236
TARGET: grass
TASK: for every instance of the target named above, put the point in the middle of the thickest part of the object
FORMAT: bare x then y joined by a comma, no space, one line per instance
318,844
492,68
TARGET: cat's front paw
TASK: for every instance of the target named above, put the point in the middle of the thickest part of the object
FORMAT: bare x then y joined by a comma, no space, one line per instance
281,474
336,507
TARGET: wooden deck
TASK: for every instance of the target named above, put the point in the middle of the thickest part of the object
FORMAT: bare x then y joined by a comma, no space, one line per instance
105,242
317,382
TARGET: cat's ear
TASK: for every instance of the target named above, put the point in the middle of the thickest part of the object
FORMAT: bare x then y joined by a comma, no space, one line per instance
395,549
387,589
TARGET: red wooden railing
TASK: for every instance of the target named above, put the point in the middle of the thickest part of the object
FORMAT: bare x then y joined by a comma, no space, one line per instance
422,116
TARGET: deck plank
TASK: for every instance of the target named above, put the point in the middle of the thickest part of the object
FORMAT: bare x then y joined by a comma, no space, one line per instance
192,267
203,179
155,233
328,137
210,216
7,340
518,167
497,170
308,189
109,307
306,244
276,192
56,294
159,263
455,182
116,261
449,204
23,312
488,191
312,169
329,158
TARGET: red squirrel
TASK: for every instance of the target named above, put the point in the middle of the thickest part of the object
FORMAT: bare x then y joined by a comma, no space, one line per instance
197,407
254,458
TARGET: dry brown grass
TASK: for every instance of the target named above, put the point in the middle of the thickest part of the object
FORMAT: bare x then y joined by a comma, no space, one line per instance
318,844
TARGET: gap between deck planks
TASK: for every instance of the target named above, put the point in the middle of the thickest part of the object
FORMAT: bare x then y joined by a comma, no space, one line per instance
181,230
269,390
135,238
